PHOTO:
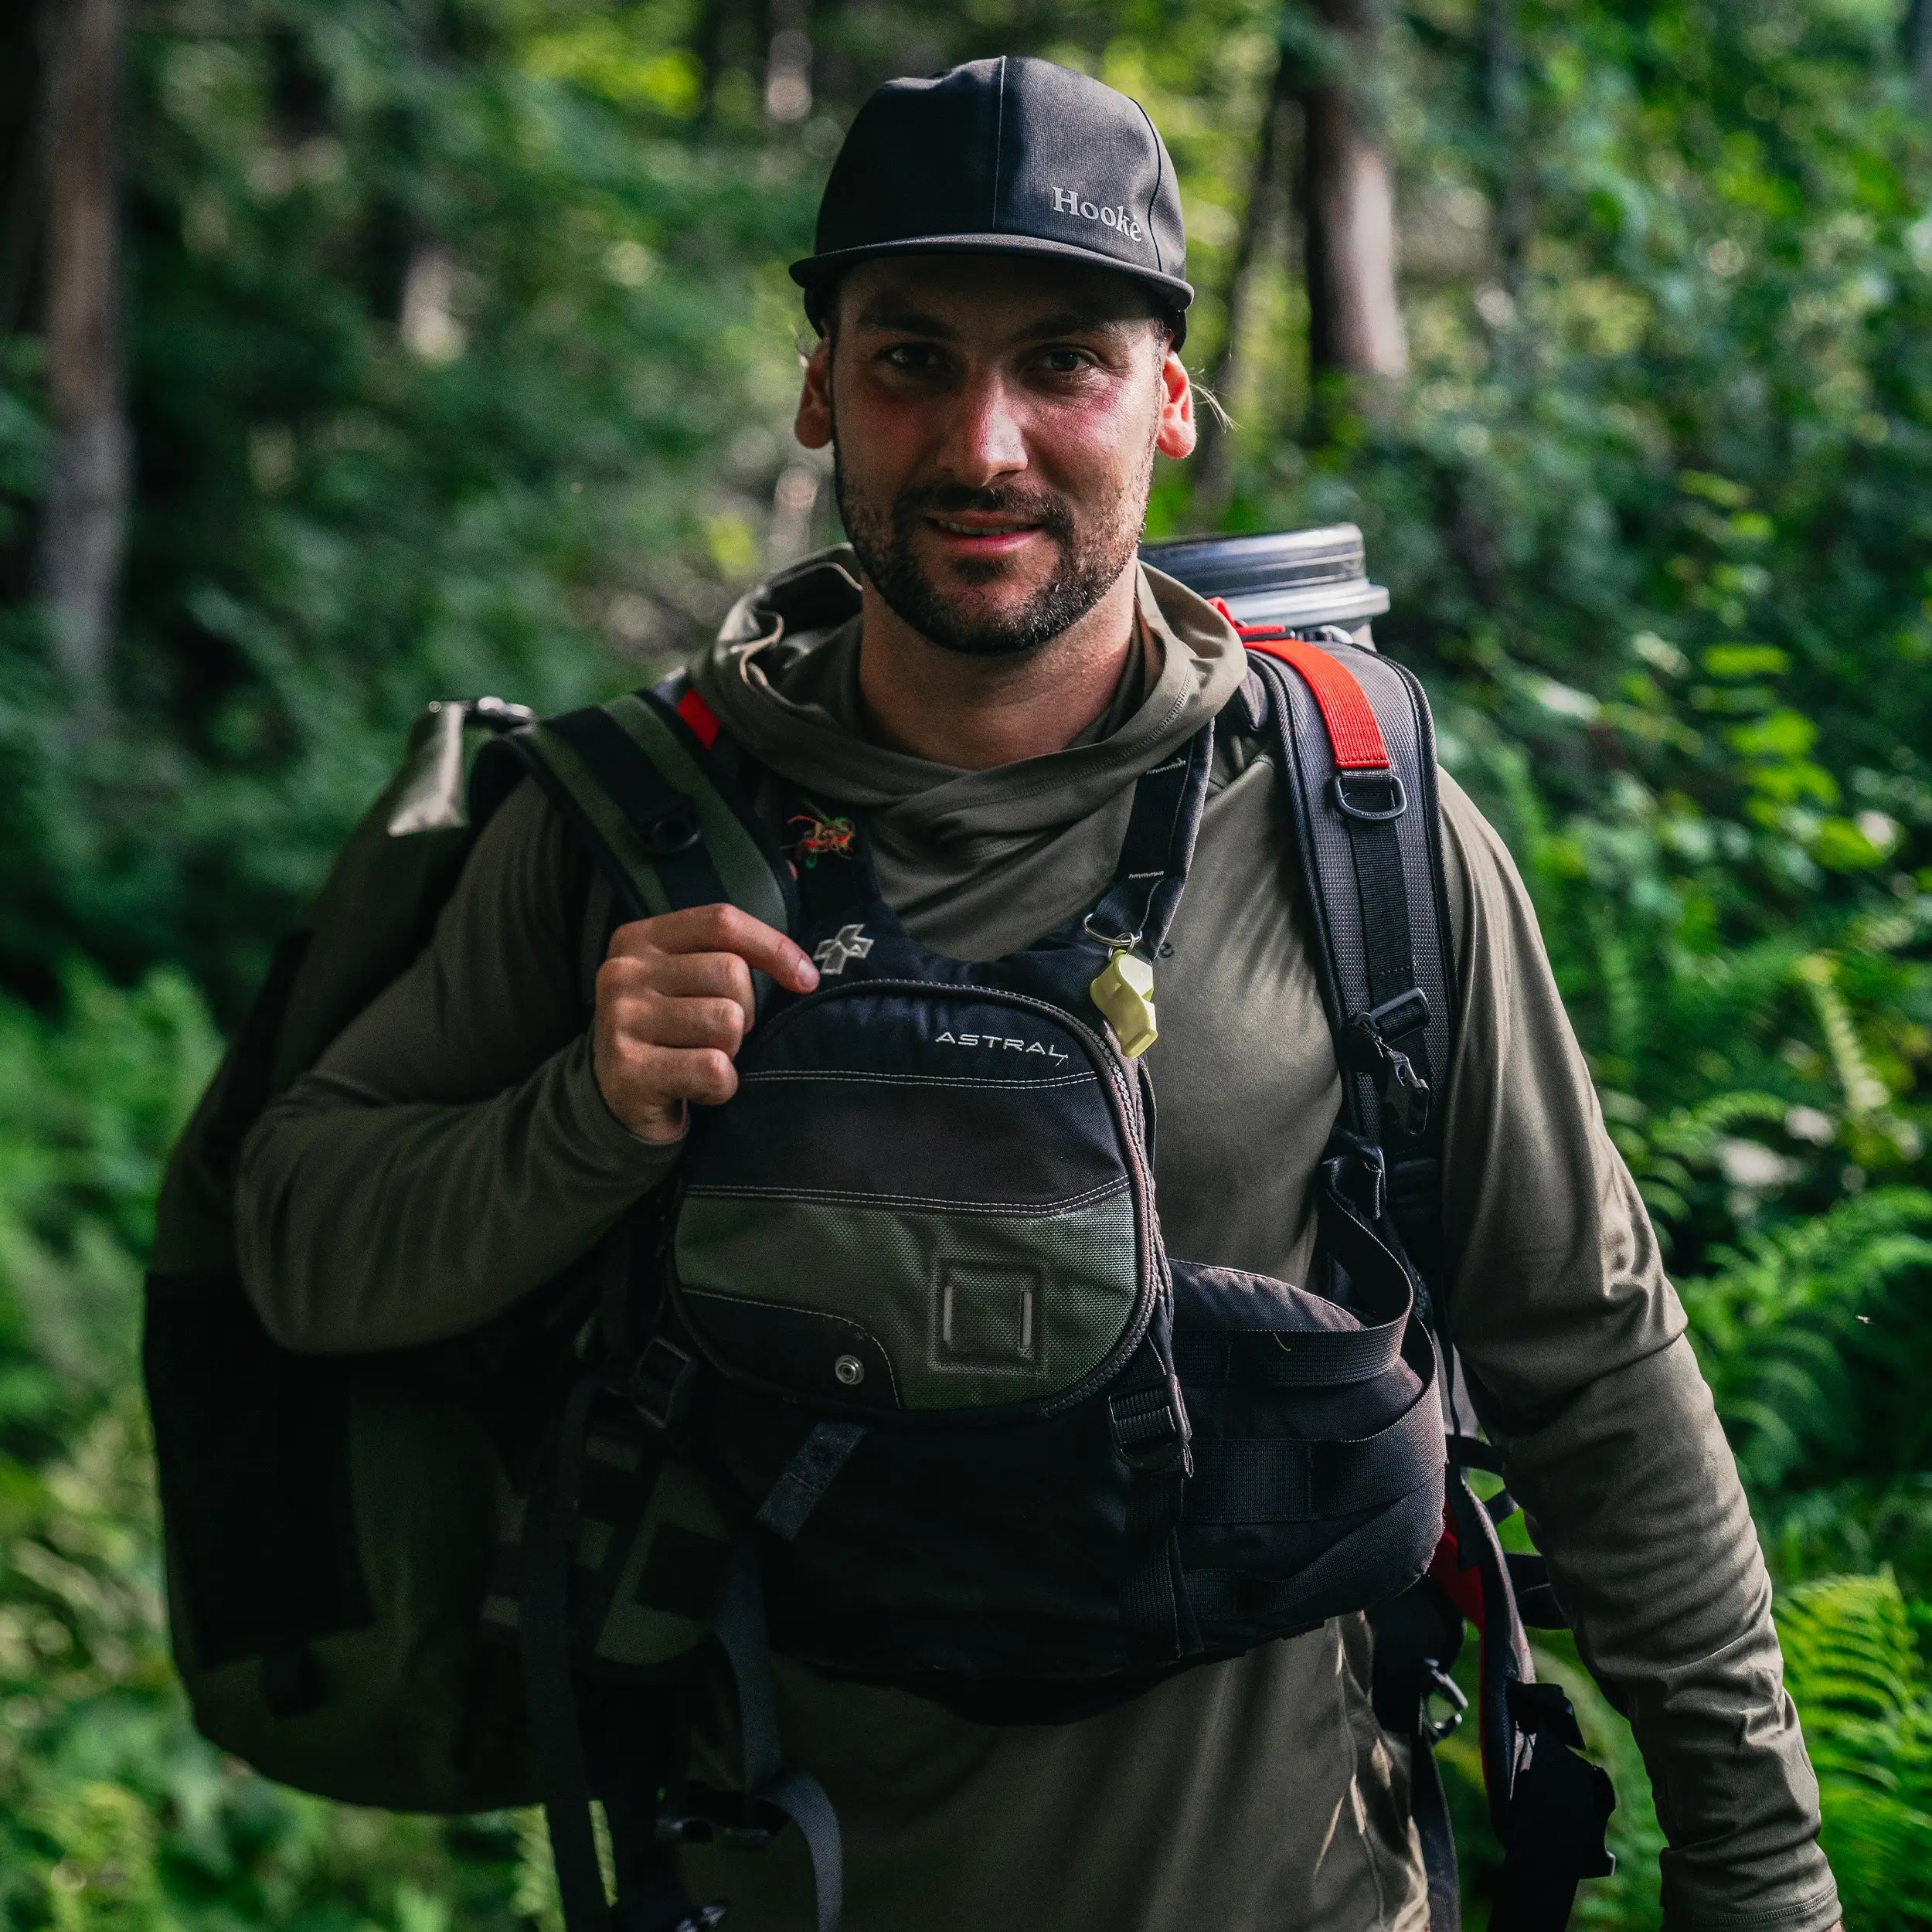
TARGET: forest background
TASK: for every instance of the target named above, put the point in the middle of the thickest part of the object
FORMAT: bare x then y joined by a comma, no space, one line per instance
354,353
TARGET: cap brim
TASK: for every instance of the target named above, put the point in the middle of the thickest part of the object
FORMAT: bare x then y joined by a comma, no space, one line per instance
815,269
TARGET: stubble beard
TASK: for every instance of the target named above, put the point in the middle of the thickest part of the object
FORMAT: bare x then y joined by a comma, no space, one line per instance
1091,560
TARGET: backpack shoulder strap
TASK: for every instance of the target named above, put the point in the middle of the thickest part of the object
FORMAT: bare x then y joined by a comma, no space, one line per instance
641,781
1358,750
1358,747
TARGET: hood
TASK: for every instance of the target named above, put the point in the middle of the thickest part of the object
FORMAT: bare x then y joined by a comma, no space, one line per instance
782,678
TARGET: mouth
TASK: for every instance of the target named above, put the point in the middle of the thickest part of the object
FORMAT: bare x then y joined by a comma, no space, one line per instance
982,536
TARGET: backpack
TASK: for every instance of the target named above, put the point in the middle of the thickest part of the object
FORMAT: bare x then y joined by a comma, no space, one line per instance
326,1616
329,1522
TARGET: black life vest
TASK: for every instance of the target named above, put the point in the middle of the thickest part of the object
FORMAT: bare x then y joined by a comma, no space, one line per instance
1016,1456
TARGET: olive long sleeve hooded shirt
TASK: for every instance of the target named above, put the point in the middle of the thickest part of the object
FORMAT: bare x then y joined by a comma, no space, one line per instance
451,1153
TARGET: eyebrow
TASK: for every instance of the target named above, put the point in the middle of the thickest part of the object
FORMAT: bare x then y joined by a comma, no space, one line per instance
884,313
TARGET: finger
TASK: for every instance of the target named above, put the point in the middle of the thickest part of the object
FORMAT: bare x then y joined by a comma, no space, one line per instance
700,976
719,929
700,1073
650,1019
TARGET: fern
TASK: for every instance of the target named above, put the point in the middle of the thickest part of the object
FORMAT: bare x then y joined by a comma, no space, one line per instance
1778,1327
1861,1687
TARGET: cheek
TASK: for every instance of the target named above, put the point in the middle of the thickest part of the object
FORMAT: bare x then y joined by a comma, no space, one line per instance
881,437
1093,453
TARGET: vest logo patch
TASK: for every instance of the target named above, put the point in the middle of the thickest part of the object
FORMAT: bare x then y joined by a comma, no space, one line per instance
1066,201
998,1041
834,954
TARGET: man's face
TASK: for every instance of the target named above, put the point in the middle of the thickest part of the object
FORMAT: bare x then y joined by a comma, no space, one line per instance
994,422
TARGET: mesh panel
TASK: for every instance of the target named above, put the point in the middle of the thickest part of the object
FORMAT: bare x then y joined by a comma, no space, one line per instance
974,1310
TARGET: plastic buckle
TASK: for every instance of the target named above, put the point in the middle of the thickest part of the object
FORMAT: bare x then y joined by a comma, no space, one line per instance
661,1383
1364,814
1404,1092
675,830
1443,1685
1151,1429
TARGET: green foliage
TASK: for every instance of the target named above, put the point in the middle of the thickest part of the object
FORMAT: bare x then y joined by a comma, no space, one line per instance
1802,1332
113,1816
1854,1663
87,1109
462,359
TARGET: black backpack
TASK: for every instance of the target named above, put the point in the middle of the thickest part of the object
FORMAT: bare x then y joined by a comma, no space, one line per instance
312,1652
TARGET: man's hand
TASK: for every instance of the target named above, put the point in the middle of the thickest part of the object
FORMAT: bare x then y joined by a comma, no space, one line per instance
674,1001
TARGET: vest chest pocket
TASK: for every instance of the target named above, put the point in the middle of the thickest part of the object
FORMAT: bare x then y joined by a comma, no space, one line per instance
921,1200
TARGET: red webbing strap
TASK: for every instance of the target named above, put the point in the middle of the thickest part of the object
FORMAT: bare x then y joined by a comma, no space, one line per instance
1463,1587
1353,734
701,718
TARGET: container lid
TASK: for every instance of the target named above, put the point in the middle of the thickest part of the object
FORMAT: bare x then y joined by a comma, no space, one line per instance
1292,577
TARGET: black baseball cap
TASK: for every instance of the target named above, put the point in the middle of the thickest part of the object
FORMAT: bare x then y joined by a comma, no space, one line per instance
1011,155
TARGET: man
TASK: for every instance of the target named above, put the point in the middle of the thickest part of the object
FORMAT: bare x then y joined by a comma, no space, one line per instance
999,291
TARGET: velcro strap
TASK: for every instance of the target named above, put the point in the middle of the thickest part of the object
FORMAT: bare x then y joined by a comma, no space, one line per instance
1263,1480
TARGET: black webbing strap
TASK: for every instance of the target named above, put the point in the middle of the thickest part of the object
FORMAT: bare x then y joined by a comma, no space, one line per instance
662,820
814,1466
1430,1809
1157,848
740,1630
1148,1419
666,825
1267,1358
543,1637
632,1782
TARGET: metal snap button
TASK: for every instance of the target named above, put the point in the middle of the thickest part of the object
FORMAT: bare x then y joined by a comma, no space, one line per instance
849,1370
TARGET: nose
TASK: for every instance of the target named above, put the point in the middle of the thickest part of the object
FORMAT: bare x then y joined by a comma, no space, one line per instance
987,439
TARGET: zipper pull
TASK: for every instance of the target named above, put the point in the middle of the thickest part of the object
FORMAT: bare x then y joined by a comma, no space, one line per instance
1123,991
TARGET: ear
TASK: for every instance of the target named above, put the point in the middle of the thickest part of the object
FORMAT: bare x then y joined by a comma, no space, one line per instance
813,426
1177,435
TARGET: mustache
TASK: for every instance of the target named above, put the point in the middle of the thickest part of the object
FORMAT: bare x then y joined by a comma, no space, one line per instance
950,499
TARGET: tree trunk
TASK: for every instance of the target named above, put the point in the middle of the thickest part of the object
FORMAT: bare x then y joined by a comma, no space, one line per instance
1354,320
787,60
1918,50
1213,473
84,522
1511,191
23,173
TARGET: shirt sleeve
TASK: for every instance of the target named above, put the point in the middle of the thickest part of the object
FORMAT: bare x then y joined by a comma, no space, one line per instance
1574,1344
451,1152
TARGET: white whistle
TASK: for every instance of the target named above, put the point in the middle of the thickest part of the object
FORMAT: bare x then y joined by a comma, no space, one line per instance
1123,991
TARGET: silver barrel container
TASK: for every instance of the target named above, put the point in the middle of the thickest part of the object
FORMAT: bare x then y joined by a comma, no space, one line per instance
1301,580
